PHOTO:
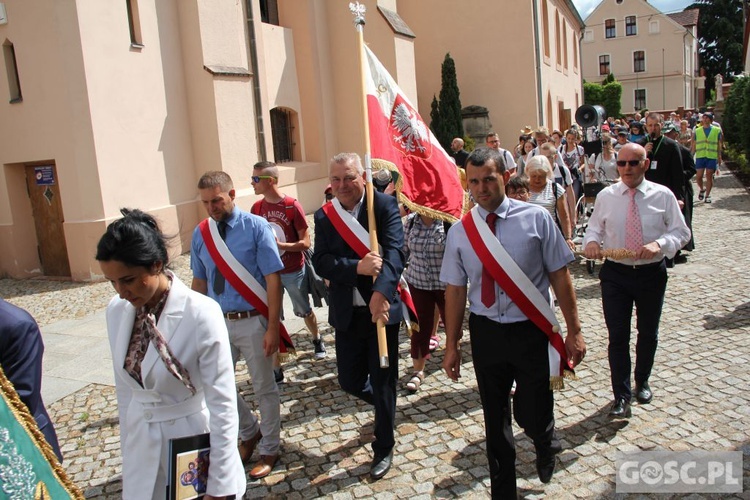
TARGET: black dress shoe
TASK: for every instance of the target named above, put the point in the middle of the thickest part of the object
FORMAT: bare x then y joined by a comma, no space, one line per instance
680,258
545,463
643,393
381,464
620,409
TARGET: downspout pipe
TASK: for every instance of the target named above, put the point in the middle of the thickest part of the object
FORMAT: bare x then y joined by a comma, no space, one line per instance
260,135
538,62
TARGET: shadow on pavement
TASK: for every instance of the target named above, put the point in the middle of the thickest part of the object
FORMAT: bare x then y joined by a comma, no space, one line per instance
738,318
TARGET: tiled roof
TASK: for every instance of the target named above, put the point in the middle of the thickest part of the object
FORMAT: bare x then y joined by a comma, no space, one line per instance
686,17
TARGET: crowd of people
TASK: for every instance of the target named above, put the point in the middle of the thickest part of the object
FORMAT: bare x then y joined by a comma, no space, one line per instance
175,347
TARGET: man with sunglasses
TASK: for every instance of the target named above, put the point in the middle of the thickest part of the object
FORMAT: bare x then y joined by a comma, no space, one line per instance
288,222
642,218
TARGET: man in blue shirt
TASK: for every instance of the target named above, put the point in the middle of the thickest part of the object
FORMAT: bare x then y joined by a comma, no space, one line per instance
505,344
251,241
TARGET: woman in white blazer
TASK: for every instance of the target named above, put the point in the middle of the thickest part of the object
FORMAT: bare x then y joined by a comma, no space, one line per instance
186,384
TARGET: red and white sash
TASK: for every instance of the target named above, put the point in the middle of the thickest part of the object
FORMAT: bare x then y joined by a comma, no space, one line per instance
521,291
239,277
358,240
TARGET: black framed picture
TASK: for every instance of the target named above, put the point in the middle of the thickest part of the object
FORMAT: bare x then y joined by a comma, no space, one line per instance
188,467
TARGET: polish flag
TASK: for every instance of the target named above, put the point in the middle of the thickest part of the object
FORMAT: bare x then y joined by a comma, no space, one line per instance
428,178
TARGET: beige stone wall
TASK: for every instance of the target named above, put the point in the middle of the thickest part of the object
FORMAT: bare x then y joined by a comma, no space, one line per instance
495,53
136,126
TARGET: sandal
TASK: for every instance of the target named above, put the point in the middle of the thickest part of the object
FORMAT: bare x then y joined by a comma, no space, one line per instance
701,194
415,381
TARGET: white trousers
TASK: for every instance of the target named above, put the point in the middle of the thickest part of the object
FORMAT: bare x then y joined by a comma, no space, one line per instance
246,338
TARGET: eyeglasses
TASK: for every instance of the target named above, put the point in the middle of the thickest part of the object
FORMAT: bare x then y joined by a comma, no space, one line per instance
630,163
495,141
256,178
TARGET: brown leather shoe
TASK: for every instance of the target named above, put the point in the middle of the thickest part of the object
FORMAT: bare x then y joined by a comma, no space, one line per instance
247,448
264,466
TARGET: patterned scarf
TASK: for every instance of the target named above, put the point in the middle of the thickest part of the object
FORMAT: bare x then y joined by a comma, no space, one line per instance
145,332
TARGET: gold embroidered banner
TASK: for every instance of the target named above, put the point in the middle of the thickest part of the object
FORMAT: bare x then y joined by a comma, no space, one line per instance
28,466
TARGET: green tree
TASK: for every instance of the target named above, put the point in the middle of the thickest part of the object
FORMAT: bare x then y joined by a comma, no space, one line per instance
607,95
735,121
720,30
436,124
445,115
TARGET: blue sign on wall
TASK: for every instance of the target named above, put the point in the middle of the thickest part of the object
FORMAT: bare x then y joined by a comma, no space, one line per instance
45,176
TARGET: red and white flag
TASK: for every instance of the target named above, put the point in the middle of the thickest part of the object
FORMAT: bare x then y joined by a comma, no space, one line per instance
428,176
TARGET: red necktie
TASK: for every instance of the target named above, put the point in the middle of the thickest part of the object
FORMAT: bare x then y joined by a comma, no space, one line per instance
488,284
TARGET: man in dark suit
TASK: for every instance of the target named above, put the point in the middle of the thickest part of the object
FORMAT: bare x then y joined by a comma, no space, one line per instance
666,161
688,167
21,350
664,155
356,303
458,153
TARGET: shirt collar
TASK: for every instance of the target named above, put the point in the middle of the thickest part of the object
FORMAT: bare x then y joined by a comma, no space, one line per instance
234,216
642,187
501,210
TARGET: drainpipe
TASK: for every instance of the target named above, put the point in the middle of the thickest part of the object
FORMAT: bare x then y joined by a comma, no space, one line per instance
540,98
253,46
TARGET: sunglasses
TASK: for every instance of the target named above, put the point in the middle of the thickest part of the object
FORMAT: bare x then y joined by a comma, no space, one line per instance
630,163
256,178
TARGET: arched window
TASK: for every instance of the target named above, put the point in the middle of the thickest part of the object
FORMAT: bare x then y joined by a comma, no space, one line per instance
283,133
545,27
565,44
558,45
11,68
549,110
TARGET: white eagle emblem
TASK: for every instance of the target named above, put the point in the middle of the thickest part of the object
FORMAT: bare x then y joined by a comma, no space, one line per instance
410,134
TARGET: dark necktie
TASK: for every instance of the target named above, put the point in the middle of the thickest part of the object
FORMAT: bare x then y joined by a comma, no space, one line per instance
218,277
488,284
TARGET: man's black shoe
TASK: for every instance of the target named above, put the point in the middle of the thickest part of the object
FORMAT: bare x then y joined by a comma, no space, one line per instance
545,463
680,258
643,393
381,464
620,409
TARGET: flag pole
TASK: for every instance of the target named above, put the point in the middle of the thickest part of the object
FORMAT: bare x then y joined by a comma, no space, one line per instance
358,10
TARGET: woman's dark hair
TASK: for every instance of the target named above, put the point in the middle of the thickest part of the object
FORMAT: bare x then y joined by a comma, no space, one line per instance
134,240
518,182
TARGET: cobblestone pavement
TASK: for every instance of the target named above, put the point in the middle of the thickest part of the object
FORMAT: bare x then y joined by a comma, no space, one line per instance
700,384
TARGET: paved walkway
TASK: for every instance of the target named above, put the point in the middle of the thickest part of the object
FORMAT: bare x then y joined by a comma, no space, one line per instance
700,383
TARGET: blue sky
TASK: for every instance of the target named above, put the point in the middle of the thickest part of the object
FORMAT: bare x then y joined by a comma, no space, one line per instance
586,6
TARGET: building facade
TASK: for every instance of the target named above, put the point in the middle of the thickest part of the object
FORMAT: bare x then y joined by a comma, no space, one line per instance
653,55
520,60
124,103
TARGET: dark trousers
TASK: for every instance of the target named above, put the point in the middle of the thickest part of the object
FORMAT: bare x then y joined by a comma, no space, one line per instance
503,353
623,286
356,358
424,303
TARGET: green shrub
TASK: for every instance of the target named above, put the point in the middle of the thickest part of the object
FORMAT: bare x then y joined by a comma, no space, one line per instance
607,95
735,119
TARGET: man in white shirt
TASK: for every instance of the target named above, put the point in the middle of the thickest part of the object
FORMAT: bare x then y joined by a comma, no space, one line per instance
644,218
493,142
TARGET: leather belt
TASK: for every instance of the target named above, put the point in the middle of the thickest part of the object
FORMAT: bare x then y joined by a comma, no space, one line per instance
235,315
